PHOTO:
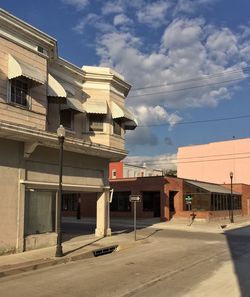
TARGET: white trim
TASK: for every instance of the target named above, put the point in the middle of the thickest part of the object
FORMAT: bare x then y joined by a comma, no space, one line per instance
51,185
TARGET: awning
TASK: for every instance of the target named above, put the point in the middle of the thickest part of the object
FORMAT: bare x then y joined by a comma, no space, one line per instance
18,68
120,112
73,103
55,89
95,107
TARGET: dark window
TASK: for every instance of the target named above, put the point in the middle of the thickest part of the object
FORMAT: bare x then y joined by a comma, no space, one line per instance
120,202
66,118
39,212
69,202
212,202
113,173
151,202
19,91
96,122
117,127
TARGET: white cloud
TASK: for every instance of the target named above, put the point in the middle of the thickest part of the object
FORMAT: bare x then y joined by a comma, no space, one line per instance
182,33
122,19
150,115
190,6
90,19
163,162
154,13
79,4
223,45
113,7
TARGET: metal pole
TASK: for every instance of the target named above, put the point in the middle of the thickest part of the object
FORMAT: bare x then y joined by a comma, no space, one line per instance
135,219
59,252
232,202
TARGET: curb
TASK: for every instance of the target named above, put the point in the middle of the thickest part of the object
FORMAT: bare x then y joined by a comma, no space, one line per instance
9,270
14,269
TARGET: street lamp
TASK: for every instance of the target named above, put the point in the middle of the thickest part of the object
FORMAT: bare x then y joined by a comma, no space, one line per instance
61,137
231,199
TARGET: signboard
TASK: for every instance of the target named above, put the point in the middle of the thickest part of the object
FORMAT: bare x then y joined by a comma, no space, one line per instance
134,198
188,198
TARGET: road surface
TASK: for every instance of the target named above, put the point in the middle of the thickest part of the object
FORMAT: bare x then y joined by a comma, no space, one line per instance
167,263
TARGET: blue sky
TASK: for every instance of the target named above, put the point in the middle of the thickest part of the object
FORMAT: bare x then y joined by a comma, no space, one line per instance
166,50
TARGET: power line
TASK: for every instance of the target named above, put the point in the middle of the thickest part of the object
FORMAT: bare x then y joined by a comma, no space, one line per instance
186,158
186,162
208,77
198,121
185,89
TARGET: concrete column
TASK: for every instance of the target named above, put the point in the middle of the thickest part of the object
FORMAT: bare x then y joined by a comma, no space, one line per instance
102,214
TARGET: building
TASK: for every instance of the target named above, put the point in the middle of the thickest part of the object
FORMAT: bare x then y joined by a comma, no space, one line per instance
167,198
214,161
125,170
38,92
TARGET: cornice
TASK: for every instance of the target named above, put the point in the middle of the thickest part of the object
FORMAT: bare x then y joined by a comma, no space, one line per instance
50,139
110,78
28,29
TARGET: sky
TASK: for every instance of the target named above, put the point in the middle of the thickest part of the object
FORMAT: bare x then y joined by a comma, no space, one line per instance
187,61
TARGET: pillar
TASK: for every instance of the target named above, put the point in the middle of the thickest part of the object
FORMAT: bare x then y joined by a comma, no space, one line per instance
102,214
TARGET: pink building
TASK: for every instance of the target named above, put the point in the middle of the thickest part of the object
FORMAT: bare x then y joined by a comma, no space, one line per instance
214,161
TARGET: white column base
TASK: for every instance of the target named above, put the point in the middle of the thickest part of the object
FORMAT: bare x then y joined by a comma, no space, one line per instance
102,215
102,232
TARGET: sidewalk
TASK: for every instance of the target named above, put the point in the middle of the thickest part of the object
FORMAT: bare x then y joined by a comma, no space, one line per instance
86,246
82,247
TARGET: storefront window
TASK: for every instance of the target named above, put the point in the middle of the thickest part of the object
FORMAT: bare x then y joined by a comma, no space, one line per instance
120,202
69,202
39,212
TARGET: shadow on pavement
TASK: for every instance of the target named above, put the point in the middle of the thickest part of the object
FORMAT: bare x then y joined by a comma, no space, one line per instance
85,245
239,245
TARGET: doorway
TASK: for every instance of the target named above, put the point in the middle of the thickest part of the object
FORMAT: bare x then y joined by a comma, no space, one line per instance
172,210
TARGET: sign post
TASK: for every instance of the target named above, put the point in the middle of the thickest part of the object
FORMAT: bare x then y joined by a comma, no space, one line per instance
188,200
135,199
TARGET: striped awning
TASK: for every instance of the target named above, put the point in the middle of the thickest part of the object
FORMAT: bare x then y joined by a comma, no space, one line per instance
18,68
74,104
55,89
120,112
99,107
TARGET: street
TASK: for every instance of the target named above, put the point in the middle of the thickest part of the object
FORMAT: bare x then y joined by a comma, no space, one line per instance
163,263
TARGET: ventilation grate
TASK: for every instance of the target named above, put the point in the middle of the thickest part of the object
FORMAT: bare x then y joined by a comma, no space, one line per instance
105,251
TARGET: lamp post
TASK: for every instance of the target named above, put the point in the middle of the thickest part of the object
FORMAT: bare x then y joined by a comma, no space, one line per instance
61,137
231,199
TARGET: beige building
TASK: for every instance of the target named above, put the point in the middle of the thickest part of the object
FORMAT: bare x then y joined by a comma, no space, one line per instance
213,162
38,92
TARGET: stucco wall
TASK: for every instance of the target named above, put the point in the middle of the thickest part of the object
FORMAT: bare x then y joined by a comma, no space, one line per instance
214,161
78,169
9,172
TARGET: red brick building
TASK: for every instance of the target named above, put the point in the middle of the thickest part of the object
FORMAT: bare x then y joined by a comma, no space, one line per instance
165,198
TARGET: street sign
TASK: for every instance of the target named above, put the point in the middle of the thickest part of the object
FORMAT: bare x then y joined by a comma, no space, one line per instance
189,198
134,198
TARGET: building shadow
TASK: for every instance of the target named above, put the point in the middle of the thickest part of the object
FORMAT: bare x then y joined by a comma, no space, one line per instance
238,241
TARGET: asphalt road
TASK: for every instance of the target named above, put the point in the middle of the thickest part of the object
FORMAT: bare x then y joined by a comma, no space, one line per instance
168,263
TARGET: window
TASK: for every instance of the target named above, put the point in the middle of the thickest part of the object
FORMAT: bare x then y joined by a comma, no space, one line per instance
120,202
66,118
19,91
117,127
39,212
96,122
69,202
113,173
